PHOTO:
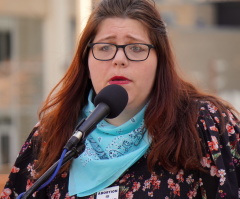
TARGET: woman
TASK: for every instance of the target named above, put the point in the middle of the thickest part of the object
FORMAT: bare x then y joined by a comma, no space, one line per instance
171,140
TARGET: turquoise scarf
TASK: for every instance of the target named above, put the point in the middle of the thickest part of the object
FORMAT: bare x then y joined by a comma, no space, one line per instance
109,152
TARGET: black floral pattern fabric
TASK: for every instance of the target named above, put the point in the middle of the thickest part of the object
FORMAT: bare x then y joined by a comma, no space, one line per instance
221,160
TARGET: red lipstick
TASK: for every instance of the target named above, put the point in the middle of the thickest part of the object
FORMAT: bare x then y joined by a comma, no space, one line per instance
119,80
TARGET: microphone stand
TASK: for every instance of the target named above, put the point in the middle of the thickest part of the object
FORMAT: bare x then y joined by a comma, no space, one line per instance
76,144
72,153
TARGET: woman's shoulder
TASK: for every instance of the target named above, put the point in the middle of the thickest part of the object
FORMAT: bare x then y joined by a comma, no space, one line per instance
32,140
216,110
219,133
22,173
213,117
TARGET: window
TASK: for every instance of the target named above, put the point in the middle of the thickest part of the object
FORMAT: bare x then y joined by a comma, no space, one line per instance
5,153
228,14
5,45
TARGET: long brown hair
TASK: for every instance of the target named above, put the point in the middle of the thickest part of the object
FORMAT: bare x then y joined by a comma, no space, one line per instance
172,111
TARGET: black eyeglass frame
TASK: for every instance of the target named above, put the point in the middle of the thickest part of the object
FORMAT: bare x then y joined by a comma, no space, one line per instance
123,47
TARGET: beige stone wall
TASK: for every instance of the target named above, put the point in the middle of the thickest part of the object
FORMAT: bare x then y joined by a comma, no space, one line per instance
209,57
187,15
30,8
5,86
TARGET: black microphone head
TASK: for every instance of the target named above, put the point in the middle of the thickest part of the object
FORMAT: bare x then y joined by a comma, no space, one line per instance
115,96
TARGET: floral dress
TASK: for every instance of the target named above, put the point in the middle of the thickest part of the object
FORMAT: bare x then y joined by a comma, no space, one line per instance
222,160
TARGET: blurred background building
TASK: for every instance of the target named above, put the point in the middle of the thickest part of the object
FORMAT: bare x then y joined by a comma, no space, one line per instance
38,39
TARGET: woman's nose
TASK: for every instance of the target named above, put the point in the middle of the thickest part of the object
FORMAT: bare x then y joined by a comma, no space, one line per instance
120,58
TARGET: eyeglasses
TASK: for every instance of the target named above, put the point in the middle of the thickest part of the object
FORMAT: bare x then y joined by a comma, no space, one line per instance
107,51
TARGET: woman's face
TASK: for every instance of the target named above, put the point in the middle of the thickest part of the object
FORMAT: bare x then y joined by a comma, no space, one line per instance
137,77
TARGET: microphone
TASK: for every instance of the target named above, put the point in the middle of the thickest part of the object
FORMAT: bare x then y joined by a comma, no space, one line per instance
109,103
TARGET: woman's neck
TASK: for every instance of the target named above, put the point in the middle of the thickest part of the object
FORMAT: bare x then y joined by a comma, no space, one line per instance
125,116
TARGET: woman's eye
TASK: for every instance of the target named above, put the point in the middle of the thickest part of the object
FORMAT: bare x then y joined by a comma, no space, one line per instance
105,48
137,48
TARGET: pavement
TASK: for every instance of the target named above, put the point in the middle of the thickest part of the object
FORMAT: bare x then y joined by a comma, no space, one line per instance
3,180
4,173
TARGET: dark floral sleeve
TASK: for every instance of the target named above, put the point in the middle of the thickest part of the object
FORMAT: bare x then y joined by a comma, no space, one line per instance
22,173
222,153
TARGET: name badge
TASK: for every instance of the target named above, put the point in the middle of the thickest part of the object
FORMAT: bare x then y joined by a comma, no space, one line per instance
108,193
